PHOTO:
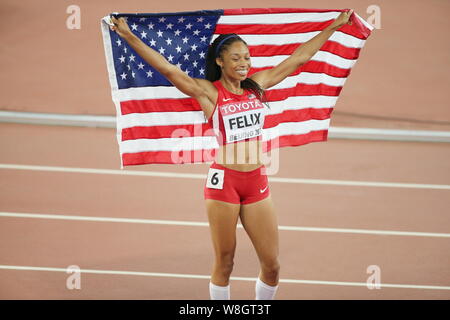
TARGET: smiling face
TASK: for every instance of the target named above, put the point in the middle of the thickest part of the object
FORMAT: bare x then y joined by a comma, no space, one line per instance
235,61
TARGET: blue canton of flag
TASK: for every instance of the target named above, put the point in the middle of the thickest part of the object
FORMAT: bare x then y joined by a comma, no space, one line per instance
183,39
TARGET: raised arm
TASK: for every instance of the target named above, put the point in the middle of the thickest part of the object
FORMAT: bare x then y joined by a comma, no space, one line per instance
200,89
269,78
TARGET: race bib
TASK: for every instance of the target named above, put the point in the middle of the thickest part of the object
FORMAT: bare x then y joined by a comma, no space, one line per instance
215,179
243,120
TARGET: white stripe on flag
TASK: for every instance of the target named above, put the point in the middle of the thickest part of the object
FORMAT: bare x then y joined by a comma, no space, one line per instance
161,119
321,56
169,144
364,22
293,128
143,93
333,59
278,18
302,102
310,78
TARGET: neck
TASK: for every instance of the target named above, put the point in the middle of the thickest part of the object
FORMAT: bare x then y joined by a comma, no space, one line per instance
232,85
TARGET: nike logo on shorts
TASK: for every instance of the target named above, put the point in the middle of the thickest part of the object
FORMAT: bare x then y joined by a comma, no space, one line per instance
263,190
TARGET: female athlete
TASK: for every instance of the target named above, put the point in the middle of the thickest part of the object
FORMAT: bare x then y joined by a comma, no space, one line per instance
236,186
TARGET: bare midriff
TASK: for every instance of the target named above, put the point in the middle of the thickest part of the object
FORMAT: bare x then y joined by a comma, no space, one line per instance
241,156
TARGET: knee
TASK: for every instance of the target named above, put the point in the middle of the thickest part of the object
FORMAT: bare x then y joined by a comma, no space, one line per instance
225,262
271,268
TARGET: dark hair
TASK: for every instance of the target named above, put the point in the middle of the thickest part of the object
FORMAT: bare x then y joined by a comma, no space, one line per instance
213,71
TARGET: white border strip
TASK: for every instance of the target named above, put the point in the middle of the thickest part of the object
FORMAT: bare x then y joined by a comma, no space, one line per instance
203,176
198,276
205,224
389,134
333,132
104,25
58,119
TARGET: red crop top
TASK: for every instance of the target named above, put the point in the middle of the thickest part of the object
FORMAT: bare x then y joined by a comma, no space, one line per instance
236,117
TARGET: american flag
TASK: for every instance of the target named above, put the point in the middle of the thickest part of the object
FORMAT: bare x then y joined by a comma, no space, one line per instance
156,123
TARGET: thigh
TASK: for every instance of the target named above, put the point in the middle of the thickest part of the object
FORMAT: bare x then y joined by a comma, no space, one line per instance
260,221
223,217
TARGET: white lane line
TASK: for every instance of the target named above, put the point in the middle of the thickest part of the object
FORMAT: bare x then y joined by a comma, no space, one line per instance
203,176
197,276
205,224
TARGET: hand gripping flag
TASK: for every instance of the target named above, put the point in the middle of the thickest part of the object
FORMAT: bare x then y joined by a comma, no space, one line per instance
156,123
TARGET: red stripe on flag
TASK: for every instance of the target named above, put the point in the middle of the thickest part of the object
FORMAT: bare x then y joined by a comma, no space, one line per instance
299,27
314,67
288,49
295,140
168,157
296,116
159,105
172,131
302,90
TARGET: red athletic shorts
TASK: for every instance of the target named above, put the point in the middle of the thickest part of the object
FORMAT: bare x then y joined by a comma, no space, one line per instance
234,186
